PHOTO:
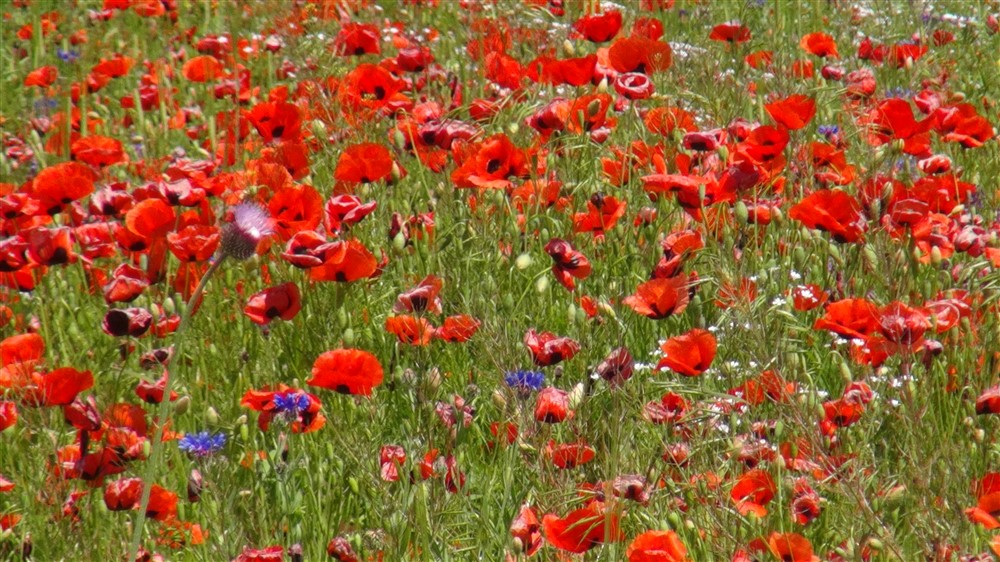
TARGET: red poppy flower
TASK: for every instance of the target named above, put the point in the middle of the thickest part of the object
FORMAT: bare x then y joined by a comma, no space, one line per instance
299,407
657,546
422,298
61,184
834,211
617,367
410,330
599,28
660,298
989,402
115,67
203,68
370,88
152,393
123,495
569,455
893,119
391,458
987,492
269,554
582,529
819,44
347,371
634,86
21,348
961,123
753,491
603,212
42,77
345,209
457,329
552,405
282,301
850,318
689,354
357,39
295,209
344,261
50,246
548,349
663,120
126,284
58,387
900,324
491,164
568,263
669,409
791,547
589,113
730,32
194,243
639,54
794,112
805,502
151,218
8,414
526,531
364,163
276,121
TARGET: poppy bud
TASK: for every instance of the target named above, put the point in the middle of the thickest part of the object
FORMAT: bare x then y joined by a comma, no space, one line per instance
568,48
348,336
523,261
194,486
211,416
542,285
181,405
741,212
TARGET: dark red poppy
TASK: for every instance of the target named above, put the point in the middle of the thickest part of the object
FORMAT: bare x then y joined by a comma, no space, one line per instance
569,455
347,371
457,329
527,531
282,301
599,28
805,502
794,112
422,298
617,367
582,529
689,354
660,298
357,39
834,211
987,403
364,163
548,349
568,263
344,261
132,322
819,44
123,495
552,405
340,549
730,32
657,546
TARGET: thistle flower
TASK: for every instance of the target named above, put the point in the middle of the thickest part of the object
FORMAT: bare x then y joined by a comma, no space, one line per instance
250,225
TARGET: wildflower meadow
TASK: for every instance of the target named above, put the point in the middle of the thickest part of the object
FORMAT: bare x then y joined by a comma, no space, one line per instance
500,280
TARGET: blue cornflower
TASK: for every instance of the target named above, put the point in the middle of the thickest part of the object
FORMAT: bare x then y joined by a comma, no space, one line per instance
898,92
525,381
68,56
291,404
827,130
202,444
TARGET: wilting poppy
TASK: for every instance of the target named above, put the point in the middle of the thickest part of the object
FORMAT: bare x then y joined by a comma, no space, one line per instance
834,211
347,371
689,354
282,301
123,495
657,546
617,367
660,298
582,529
753,491
527,531
391,458
805,502
548,349
364,163
552,405
152,392
568,263
132,322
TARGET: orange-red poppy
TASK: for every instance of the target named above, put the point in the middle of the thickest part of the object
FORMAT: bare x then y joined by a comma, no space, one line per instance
730,32
689,354
151,218
21,348
527,531
819,44
753,491
344,261
8,414
347,371
569,455
582,529
834,211
410,330
203,68
791,547
660,298
457,329
603,212
639,54
364,163
599,28
794,112
552,405
61,184
42,77
567,262
657,546
294,209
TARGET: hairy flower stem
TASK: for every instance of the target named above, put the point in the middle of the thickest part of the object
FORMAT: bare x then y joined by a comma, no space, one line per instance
156,447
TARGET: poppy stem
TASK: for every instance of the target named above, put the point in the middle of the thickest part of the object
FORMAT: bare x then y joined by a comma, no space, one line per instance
156,446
